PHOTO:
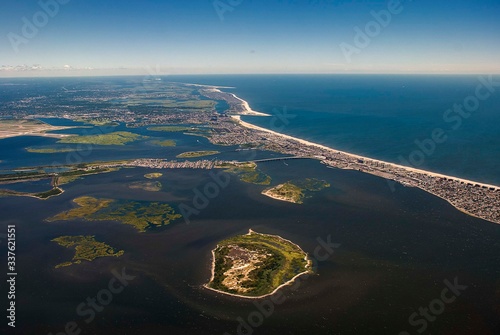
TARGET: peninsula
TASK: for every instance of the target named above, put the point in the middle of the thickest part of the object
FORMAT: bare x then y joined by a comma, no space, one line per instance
28,127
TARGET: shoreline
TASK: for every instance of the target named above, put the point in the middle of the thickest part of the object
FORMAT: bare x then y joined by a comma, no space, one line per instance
51,135
269,195
440,185
247,110
289,282
410,169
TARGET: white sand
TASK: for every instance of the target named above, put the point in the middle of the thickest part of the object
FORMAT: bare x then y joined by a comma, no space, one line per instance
410,169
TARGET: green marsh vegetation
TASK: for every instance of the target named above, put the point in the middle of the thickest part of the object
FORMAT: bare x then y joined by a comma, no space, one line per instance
256,264
296,191
164,143
86,248
140,215
247,172
115,138
194,154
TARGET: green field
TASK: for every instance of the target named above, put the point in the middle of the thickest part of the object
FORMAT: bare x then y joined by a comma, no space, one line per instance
86,248
140,215
256,264
194,154
116,138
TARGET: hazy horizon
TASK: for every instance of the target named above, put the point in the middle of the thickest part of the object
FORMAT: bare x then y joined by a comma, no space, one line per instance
71,38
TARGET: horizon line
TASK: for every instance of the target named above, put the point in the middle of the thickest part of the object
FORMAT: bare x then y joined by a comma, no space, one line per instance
255,74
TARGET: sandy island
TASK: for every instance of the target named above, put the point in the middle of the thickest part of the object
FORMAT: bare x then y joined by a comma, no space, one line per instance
289,282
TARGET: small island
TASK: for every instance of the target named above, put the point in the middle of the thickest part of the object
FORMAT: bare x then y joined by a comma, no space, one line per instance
115,138
141,215
246,172
154,175
194,154
86,248
150,186
256,265
164,143
49,150
295,191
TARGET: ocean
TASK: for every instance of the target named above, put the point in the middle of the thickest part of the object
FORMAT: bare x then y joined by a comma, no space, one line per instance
387,117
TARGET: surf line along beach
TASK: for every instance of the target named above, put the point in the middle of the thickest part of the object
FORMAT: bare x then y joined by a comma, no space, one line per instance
457,191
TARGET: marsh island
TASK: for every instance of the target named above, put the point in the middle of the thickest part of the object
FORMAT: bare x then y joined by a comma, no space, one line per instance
86,248
140,215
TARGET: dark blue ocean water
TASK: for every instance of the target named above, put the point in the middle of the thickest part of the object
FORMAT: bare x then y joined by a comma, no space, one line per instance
380,116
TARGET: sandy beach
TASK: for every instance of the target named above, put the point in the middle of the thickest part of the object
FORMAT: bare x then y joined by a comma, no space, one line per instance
248,109
268,193
246,106
428,173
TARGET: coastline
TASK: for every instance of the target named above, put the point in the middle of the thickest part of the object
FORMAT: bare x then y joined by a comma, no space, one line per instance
38,134
308,143
247,110
269,195
289,282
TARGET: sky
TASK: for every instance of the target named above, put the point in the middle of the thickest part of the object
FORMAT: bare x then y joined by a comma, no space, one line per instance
161,37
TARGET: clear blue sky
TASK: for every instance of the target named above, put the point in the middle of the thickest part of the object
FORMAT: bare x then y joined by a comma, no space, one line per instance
259,36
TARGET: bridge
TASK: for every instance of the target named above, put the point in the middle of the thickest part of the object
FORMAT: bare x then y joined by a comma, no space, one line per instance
282,159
